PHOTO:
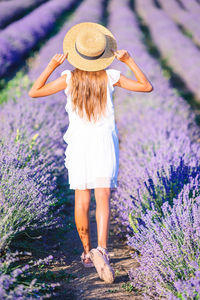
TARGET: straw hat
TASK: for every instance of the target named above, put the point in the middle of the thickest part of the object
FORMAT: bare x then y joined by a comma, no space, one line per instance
89,46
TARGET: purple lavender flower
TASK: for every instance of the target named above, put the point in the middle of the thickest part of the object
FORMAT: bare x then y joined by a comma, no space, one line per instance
21,36
13,10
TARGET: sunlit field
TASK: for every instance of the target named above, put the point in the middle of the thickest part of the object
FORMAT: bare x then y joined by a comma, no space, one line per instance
156,207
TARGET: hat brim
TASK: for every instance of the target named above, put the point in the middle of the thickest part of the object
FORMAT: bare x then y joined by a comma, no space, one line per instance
83,63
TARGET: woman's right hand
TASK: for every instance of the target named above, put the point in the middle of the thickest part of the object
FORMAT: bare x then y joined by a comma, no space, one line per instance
57,60
121,55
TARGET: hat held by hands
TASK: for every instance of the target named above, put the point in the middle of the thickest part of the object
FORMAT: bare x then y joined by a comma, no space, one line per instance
89,46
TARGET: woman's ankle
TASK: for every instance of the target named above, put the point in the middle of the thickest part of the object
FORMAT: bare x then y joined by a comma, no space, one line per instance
86,251
102,248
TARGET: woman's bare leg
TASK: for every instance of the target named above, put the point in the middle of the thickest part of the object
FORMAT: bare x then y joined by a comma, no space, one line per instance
81,212
102,196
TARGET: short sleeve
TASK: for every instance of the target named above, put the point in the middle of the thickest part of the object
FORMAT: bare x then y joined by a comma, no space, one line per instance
113,75
68,73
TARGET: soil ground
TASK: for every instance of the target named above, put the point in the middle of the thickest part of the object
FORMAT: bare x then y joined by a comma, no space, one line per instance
78,282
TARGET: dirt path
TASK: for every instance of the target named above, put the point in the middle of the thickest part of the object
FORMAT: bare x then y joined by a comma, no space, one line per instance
82,283
77,282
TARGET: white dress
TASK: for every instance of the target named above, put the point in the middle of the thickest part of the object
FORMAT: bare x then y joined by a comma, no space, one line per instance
92,154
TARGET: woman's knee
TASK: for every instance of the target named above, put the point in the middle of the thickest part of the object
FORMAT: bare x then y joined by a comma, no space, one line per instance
102,194
82,199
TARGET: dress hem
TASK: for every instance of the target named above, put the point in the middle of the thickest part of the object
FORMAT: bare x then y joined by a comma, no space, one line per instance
112,184
90,188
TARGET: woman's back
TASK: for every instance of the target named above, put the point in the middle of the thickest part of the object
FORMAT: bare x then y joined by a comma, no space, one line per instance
76,123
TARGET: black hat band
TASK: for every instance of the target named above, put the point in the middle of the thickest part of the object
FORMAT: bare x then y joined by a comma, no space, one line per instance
89,57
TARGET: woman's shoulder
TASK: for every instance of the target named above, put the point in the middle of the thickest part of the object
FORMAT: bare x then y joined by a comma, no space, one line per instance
113,75
66,72
67,79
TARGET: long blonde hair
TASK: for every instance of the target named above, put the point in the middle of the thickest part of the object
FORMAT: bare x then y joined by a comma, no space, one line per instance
89,93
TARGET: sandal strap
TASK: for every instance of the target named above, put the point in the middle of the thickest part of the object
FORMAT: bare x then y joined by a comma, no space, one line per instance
105,252
87,255
84,256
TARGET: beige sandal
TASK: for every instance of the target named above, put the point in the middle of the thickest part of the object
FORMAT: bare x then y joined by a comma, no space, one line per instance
101,260
86,264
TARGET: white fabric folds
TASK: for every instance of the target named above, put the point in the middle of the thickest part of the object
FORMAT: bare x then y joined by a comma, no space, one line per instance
92,154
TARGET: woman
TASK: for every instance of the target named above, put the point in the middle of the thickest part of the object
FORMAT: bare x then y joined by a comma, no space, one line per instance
92,155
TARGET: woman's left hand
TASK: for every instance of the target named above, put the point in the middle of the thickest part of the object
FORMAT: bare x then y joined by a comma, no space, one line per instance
57,60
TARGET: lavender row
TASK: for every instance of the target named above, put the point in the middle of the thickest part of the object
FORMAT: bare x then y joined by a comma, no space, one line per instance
32,143
21,36
13,10
181,54
162,99
20,282
170,247
189,21
191,6
159,172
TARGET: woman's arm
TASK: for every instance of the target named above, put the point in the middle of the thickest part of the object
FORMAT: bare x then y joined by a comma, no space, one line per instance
142,84
40,89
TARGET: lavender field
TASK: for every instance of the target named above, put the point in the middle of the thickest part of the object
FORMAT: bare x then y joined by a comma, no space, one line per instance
156,207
